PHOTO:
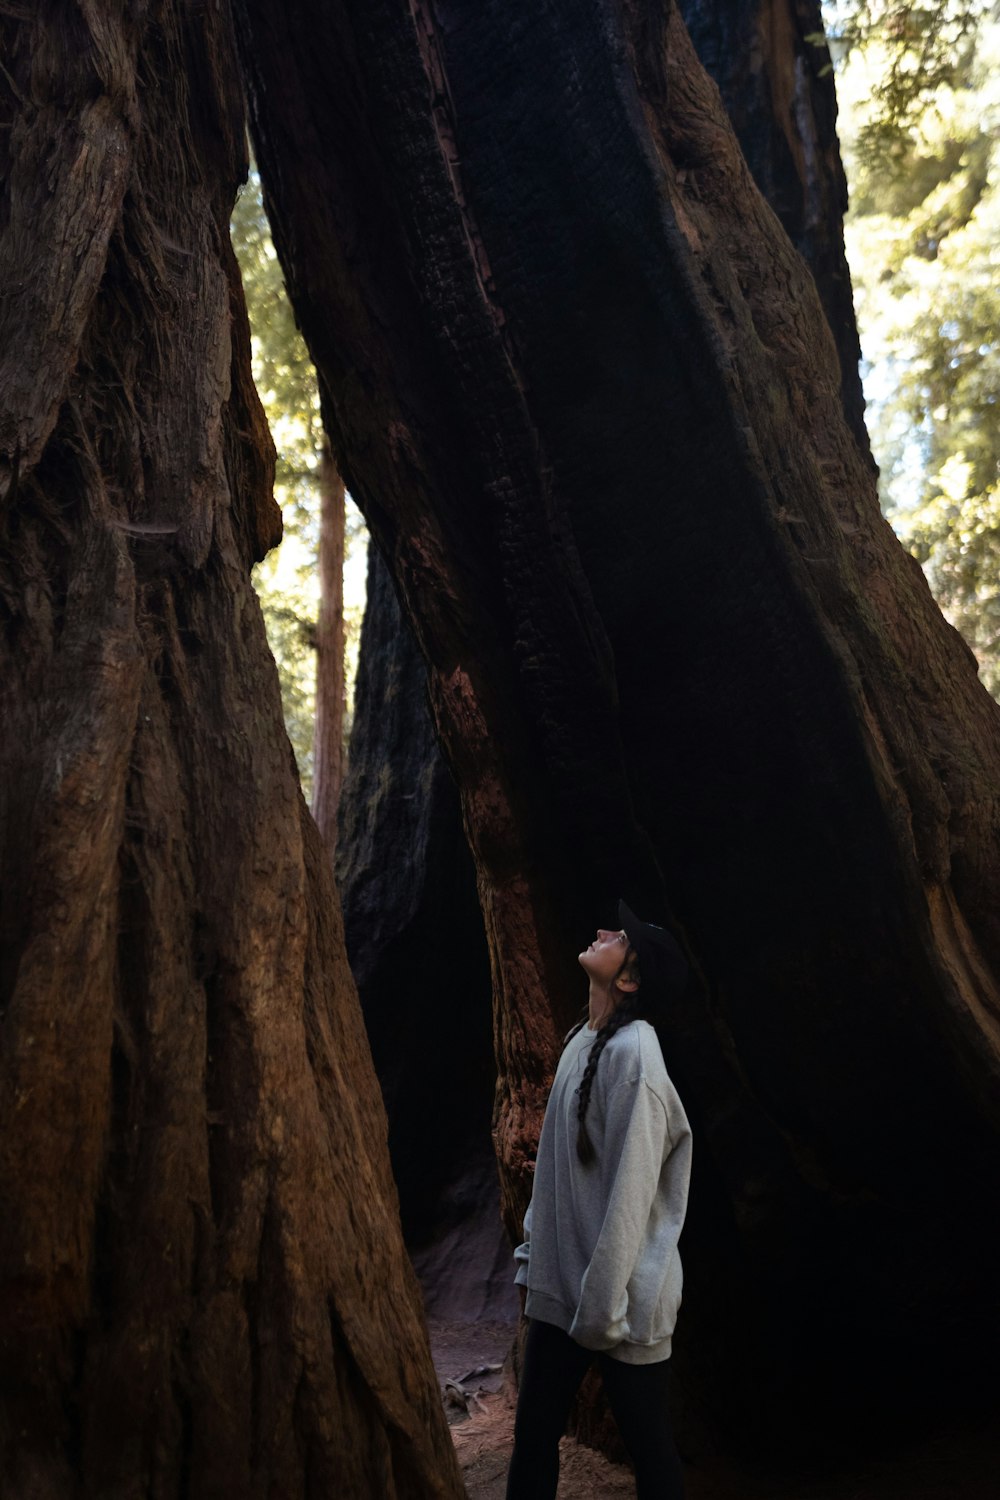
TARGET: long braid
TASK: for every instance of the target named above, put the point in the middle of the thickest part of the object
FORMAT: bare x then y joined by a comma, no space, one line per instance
625,1012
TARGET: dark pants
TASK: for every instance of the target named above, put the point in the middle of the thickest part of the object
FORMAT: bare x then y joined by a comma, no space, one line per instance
554,1366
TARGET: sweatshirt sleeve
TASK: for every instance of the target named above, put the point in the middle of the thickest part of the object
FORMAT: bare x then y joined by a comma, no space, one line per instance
522,1253
636,1142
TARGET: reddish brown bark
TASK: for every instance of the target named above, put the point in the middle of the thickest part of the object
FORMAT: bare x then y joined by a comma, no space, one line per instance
328,739
203,1289
585,391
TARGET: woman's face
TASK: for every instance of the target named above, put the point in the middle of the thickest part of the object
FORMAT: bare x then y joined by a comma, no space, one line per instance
605,956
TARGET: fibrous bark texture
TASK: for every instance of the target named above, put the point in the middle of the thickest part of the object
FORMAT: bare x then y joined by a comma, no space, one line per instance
203,1290
418,954
583,387
773,69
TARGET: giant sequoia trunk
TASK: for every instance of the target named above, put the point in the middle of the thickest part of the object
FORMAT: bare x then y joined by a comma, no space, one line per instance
202,1284
583,387
778,90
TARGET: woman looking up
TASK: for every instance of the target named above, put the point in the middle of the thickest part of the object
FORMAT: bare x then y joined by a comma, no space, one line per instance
600,1264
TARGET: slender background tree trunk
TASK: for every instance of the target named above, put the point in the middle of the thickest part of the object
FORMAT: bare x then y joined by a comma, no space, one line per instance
203,1290
328,743
585,391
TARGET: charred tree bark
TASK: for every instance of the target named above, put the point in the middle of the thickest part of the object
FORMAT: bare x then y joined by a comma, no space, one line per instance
328,739
585,391
203,1290
779,94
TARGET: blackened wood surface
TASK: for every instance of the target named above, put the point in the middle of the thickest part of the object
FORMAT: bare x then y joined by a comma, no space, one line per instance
584,389
778,89
779,93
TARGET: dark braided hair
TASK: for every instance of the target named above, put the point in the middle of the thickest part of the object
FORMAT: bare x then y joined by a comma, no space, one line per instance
627,1009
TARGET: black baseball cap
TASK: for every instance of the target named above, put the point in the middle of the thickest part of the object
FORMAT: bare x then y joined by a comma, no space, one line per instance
662,964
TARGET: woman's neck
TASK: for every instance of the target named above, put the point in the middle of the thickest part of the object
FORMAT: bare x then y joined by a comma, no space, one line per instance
600,1006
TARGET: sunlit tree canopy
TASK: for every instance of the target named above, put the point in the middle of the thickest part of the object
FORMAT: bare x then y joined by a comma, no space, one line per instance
920,123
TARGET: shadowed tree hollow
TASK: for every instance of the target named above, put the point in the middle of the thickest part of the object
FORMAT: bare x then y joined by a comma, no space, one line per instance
584,389
203,1288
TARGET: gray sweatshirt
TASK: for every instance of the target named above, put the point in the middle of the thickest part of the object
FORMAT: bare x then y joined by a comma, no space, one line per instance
600,1257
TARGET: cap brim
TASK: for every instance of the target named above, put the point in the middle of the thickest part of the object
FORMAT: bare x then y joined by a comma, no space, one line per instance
664,955
629,922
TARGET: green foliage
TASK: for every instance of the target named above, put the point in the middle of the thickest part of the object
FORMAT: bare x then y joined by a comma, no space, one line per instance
283,371
920,122
287,580
286,382
922,50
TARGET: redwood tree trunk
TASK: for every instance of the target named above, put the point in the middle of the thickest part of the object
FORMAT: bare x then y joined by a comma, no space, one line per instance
203,1290
328,738
404,903
584,389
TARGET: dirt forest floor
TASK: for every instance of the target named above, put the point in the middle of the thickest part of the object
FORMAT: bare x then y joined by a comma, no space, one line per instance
950,1466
